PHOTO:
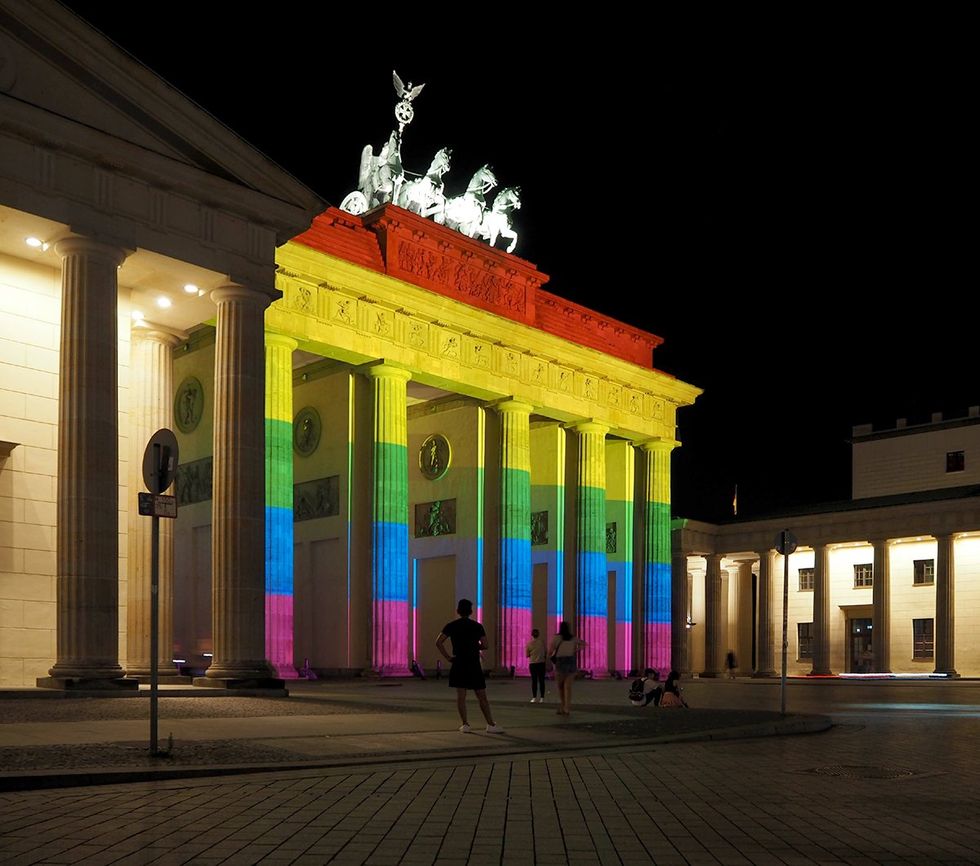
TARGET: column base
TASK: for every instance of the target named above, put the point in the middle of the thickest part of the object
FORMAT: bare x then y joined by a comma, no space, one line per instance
951,674
167,679
826,673
266,684
285,672
710,675
763,674
93,684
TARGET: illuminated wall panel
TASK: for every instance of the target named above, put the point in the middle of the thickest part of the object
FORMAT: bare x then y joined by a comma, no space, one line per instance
619,548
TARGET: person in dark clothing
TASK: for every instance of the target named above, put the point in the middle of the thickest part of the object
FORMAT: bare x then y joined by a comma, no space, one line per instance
652,690
468,638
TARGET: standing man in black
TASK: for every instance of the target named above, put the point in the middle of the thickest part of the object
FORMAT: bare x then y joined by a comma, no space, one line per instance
466,670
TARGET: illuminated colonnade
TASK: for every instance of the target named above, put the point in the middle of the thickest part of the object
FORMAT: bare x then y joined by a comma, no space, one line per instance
838,624
347,299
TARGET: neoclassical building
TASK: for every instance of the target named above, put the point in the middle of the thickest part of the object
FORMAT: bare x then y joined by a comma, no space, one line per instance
887,582
376,414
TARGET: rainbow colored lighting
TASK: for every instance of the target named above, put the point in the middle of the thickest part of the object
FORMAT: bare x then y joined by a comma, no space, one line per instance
620,511
279,504
515,533
593,581
657,577
389,526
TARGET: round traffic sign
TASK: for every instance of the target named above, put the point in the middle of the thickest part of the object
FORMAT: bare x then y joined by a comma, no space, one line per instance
785,542
160,461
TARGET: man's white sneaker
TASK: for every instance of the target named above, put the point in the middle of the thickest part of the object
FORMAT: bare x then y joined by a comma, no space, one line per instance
465,729
494,729
534,700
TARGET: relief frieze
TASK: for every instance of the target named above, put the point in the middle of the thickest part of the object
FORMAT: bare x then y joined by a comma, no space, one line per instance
495,290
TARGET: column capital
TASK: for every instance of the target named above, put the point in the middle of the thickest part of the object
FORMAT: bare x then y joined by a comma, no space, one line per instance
155,333
274,339
658,444
82,245
515,406
384,370
590,426
235,292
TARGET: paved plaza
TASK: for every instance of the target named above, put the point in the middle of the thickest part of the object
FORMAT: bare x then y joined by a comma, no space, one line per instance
894,780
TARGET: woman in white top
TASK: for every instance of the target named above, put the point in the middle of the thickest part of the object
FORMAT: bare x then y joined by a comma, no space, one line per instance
563,649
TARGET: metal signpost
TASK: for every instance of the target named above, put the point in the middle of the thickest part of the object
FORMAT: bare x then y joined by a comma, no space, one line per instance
159,470
785,544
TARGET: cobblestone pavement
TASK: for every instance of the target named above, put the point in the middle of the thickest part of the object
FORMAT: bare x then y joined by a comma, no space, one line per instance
896,781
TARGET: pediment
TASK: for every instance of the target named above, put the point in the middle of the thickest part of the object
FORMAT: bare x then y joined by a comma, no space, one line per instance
52,61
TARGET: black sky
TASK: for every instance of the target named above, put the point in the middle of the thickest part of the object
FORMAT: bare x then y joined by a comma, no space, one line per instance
790,204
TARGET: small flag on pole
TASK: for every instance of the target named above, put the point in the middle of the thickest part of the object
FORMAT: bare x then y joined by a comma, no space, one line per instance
735,502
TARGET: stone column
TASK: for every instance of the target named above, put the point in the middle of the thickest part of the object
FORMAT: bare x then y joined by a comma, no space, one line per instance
742,641
151,408
389,522
657,585
713,651
279,504
881,603
945,624
515,534
593,580
821,611
88,470
679,632
764,645
238,497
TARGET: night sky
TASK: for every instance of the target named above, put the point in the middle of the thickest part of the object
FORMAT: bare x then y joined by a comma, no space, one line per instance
793,221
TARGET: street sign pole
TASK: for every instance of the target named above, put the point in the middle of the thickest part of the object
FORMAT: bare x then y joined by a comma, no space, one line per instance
159,470
154,626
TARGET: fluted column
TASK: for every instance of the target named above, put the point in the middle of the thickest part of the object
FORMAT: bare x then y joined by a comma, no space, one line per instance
742,640
945,606
593,579
238,500
713,651
515,533
279,504
679,632
389,527
151,408
657,607
88,469
765,665
881,608
821,611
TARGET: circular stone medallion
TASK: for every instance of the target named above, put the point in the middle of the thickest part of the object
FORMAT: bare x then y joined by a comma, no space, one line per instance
306,431
188,405
435,456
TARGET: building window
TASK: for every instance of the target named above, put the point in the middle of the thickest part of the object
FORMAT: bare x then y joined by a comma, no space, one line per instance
804,635
922,638
863,575
806,579
955,461
923,571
